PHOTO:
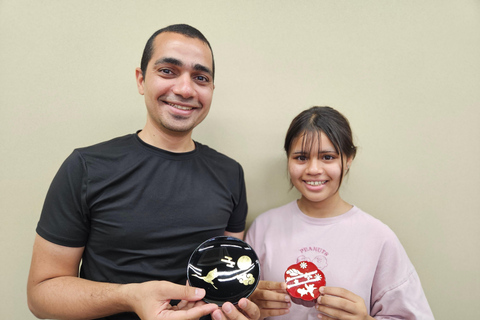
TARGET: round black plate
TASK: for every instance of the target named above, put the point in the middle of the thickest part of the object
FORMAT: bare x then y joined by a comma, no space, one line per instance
226,267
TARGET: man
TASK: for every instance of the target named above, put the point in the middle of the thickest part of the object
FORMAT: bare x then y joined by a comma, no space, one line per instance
134,208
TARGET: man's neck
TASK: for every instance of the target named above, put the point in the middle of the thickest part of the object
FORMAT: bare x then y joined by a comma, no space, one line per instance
169,141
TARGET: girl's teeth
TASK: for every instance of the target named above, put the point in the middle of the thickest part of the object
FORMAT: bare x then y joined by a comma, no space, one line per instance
316,183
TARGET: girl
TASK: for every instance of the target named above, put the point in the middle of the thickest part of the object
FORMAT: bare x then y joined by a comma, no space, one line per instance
367,271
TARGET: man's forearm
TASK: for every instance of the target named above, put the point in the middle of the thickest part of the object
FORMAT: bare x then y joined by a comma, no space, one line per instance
74,298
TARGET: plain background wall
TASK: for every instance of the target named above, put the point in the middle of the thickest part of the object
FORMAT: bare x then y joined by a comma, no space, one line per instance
405,73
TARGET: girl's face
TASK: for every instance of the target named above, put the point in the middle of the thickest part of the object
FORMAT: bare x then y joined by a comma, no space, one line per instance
316,171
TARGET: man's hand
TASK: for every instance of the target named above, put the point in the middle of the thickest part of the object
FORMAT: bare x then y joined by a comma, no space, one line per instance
151,301
247,310
272,298
339,303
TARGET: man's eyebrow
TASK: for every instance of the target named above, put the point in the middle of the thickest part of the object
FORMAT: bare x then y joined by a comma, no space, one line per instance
168,60
200,67
178,63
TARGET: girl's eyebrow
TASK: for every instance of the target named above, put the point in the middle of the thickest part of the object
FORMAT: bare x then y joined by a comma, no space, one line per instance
321,151
328,151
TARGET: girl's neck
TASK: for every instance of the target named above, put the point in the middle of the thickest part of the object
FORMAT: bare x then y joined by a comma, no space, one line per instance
332,207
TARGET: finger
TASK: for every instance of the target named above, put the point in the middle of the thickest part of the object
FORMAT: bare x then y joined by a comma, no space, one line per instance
325,317
272,285
249,308
339,292
194,313
178,292
336,303
182,304
273,312
270,299
332,313
229,312
260,294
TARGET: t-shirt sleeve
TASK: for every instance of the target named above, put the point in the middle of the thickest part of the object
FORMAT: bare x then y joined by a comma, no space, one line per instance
236,223
396,291
64,219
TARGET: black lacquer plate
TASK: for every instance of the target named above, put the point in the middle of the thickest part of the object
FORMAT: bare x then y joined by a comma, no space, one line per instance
226,267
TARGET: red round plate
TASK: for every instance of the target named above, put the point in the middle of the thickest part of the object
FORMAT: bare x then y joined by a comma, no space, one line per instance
303,281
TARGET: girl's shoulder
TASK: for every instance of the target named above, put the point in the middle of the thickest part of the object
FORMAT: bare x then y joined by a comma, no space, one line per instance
282,211
373,226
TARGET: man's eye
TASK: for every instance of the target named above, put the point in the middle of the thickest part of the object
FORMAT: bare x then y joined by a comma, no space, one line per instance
202,78
165,71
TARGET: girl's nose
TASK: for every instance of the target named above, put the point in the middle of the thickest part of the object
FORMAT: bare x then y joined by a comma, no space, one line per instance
314,167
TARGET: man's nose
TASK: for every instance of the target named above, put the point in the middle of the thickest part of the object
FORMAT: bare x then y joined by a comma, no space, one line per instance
184,87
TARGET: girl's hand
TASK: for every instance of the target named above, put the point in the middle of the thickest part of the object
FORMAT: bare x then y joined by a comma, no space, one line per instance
272,298
339,303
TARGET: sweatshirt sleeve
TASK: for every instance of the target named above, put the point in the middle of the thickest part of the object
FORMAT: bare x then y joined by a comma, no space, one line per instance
252,238
396,291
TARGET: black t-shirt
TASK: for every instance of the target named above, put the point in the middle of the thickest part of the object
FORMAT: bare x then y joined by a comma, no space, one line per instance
140,211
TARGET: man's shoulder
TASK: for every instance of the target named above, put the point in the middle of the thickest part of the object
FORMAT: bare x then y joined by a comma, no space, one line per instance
115,145
215,155
117,141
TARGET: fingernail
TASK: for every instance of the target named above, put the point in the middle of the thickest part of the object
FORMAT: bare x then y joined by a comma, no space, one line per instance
242,303
319,316
287,298
199,292
322,290
216,316
227,308
319,300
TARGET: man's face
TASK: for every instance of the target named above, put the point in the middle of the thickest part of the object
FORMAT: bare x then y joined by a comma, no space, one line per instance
178,83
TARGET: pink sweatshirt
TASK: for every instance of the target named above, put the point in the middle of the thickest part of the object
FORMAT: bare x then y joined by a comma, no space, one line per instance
355,251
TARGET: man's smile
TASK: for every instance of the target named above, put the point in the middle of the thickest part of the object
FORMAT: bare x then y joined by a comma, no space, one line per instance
176,106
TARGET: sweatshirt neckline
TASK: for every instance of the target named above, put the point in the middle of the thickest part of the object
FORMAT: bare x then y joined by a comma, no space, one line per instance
322,221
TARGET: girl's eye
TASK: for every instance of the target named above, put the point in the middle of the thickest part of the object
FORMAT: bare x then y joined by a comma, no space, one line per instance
328,157
301,158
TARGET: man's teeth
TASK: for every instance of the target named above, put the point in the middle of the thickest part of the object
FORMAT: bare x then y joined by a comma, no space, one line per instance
316,183
179,107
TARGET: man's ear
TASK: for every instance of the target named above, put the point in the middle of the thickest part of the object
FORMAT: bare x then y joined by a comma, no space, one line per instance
140,80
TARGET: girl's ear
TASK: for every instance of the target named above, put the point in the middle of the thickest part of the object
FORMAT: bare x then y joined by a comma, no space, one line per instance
349,163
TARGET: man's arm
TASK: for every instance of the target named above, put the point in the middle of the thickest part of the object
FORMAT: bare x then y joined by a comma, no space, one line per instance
238,235
55,291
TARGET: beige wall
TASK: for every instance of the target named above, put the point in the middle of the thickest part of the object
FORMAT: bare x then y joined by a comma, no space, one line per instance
406,74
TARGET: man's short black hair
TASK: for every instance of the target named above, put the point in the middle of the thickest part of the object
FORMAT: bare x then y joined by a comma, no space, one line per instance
183,29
